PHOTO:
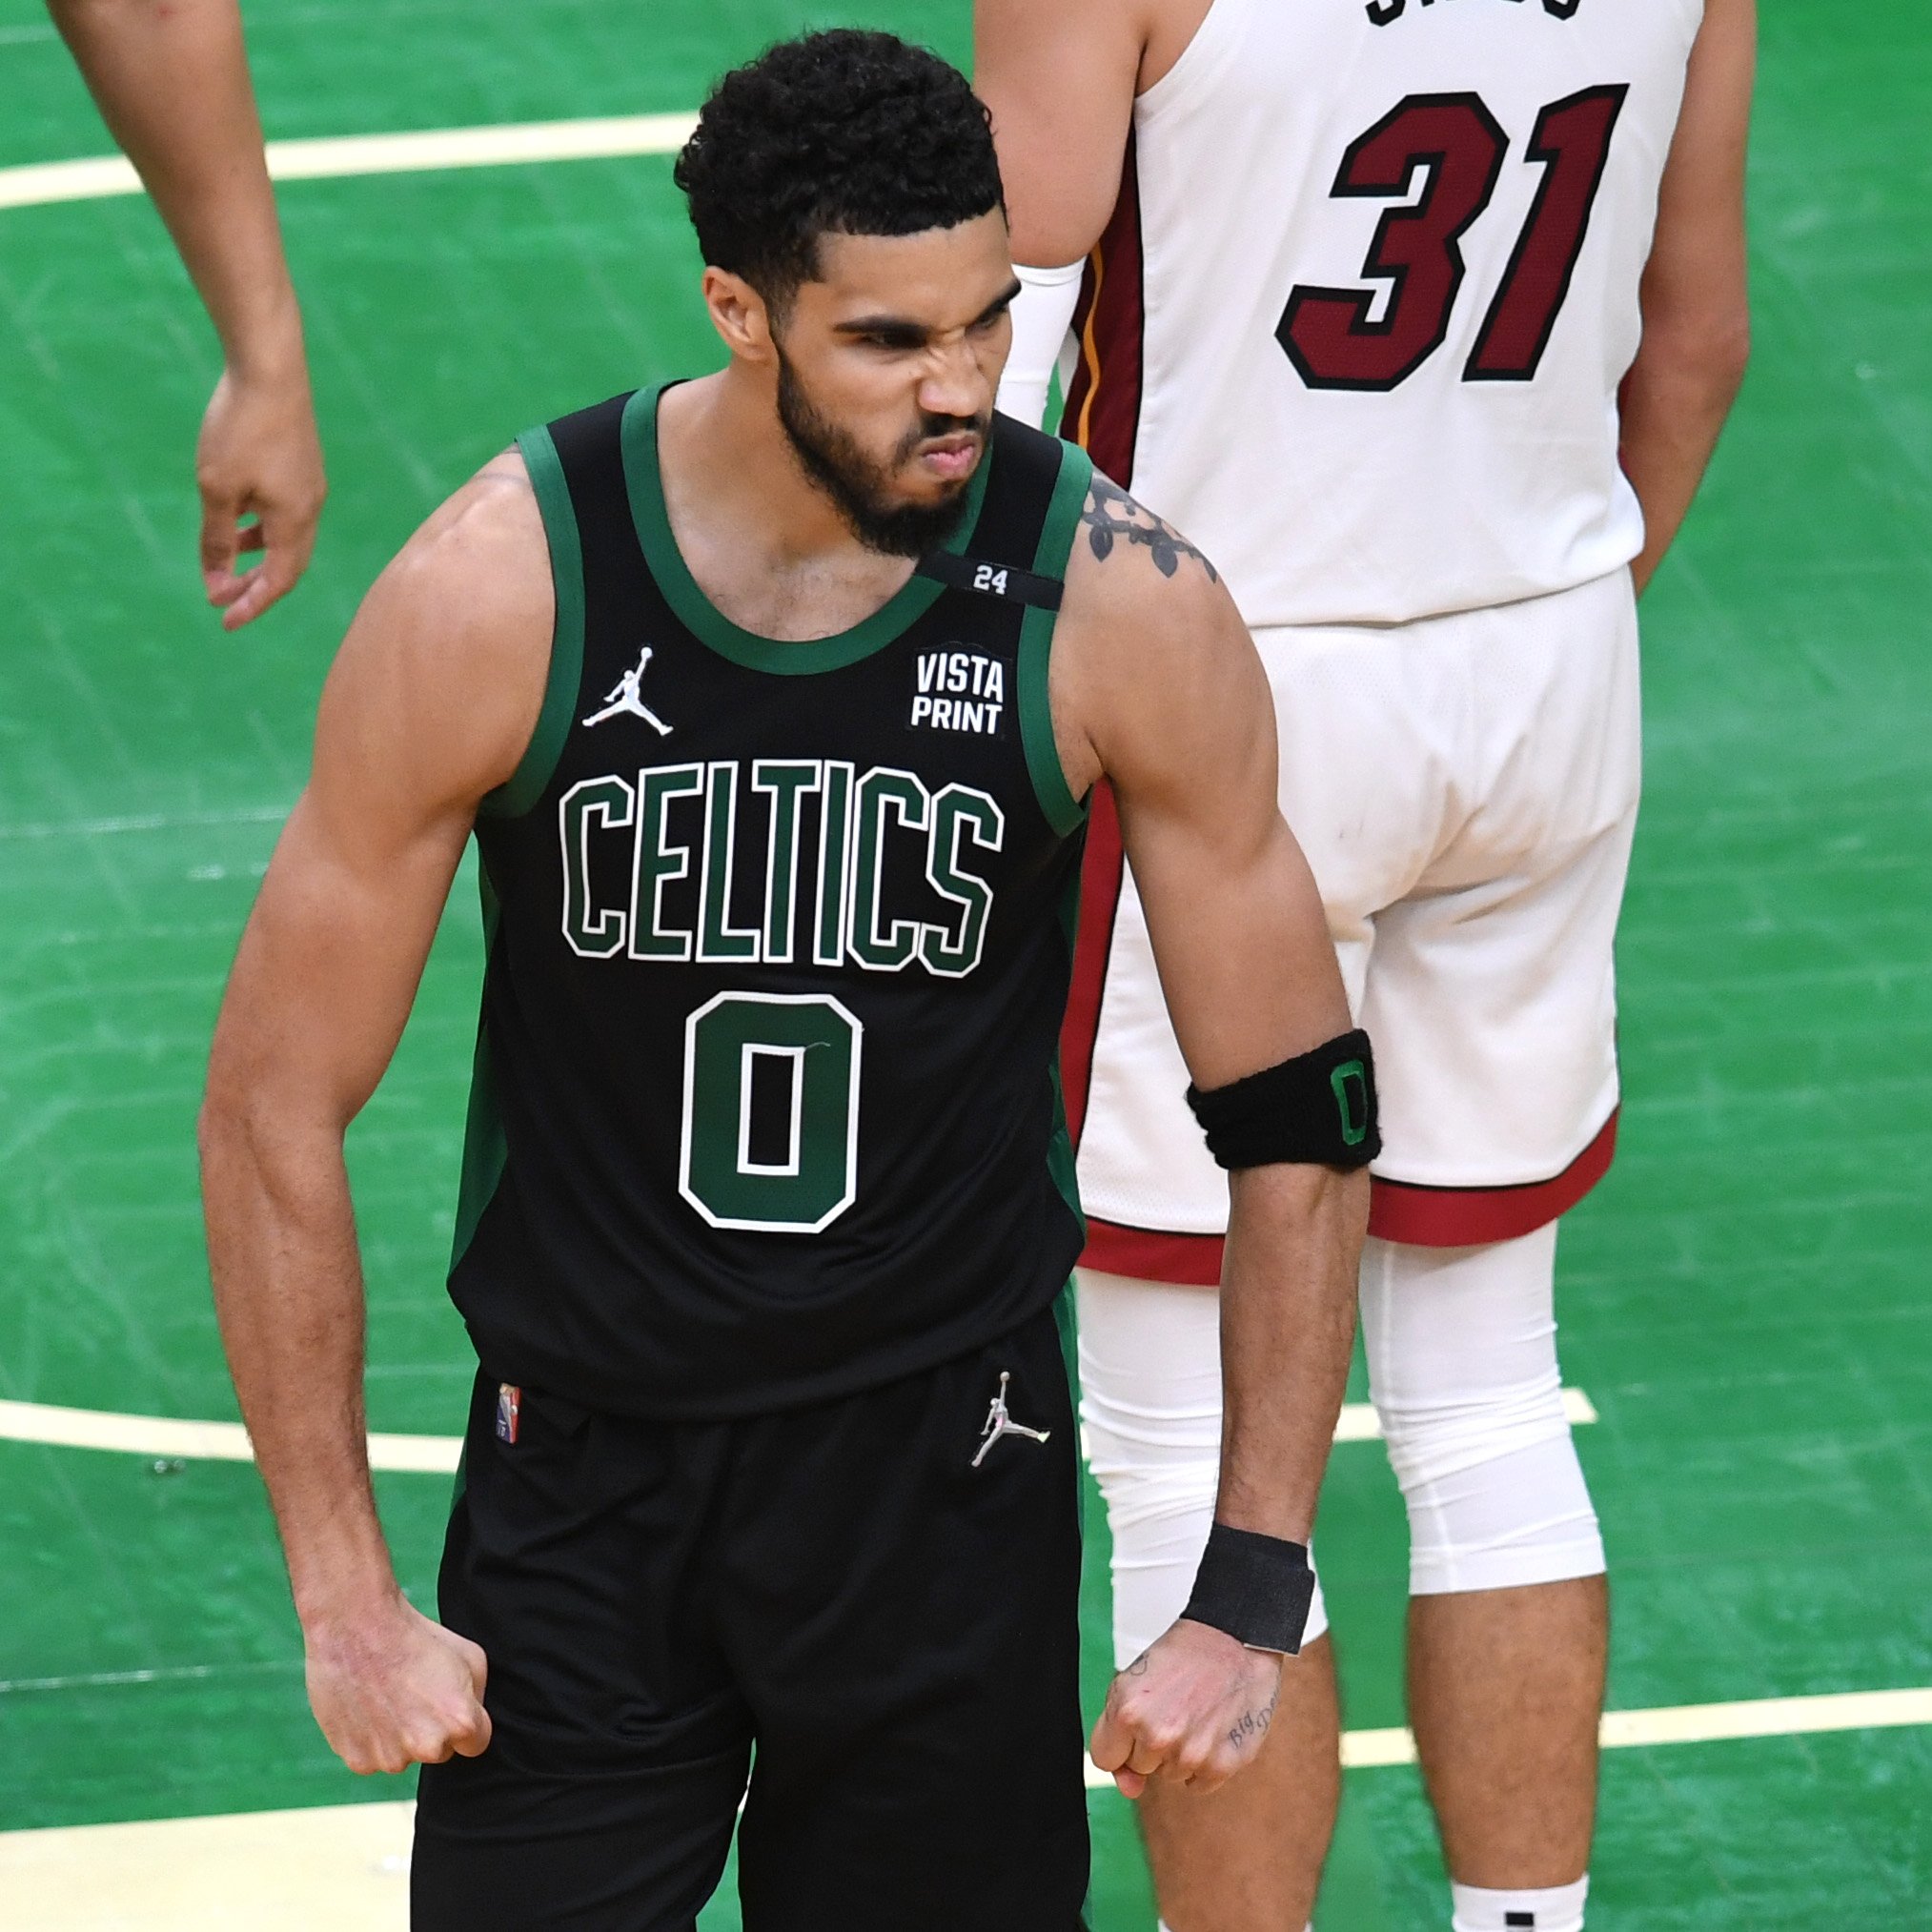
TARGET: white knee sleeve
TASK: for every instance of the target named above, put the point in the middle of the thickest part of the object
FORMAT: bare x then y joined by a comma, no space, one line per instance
1150,1403
1462,1366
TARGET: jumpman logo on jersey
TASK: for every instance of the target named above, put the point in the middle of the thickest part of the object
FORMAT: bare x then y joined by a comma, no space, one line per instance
622,699
1000,1423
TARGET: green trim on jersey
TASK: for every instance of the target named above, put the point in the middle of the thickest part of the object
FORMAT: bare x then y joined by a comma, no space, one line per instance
1059,1160
706,622
525,786
1064,811
485,1151
1066,1320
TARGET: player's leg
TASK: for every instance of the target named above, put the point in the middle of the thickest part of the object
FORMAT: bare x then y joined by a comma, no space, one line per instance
906,1625
1247,1857
1492,1004
1489,1670
1508,1614
1364,759
1369,724
606,1798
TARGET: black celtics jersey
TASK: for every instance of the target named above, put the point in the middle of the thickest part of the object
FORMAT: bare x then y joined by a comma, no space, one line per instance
767,1106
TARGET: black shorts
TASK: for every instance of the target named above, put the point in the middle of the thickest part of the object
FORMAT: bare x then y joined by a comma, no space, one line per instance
833,1602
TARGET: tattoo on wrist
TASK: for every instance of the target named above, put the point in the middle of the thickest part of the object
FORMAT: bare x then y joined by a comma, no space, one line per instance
1111,516
1138,1668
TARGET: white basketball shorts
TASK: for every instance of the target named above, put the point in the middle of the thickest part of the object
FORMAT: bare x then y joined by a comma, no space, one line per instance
1465,789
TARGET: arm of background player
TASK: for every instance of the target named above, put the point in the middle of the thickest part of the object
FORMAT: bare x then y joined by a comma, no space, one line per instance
1059,78
1157,685
171,79
1696,308
431,703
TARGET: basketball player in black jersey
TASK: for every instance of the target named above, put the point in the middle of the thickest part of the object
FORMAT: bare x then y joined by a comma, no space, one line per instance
772,700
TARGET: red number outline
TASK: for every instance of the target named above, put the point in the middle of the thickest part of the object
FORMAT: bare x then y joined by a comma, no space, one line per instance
1326,331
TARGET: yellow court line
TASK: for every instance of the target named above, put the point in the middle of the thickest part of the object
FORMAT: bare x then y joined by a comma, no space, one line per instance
166,1438
340,1865
408,153
347,1864
1679,1724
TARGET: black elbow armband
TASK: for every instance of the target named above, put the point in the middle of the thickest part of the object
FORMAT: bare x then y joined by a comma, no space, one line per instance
1317,1110
1258,1589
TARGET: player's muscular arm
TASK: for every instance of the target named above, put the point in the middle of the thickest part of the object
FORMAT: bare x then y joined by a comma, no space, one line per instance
1059,78
429,705
1156,686
1696,314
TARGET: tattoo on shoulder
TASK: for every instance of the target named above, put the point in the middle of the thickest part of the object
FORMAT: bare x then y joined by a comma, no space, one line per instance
1111,516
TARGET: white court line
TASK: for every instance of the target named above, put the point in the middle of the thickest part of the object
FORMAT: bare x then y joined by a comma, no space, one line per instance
1359,1423
37,185
146,822
165,1436
166,1673
162,1437
347,1864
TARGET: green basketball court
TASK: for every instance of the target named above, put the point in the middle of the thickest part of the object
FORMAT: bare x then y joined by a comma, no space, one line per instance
1745,1299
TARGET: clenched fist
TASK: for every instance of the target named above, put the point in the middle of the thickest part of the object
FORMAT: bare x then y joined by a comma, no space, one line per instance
1193,1709
395,1689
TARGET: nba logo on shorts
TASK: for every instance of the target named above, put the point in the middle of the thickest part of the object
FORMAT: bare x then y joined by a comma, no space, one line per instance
509,1399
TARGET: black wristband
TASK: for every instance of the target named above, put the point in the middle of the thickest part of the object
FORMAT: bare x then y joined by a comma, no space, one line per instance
1318,1108
1258,1589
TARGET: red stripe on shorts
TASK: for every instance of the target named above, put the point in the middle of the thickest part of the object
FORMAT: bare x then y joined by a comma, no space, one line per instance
1398,1211
1462,1217
1147,1255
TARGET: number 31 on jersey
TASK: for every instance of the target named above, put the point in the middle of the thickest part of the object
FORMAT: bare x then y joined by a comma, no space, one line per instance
1418,251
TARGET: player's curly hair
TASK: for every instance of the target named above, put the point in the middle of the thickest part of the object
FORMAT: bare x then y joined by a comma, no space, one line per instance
843,132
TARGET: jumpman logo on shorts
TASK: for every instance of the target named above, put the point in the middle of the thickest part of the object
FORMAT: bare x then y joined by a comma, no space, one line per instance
621,701
998,1423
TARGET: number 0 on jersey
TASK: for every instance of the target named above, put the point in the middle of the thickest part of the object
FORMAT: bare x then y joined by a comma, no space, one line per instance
771,1111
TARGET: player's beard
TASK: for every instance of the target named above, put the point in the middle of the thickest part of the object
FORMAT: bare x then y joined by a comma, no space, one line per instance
862,488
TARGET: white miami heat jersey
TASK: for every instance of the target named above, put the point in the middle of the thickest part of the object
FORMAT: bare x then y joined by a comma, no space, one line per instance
1358,322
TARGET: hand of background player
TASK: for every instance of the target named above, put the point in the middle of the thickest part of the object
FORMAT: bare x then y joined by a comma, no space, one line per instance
397,1690
258,455
1193,1709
